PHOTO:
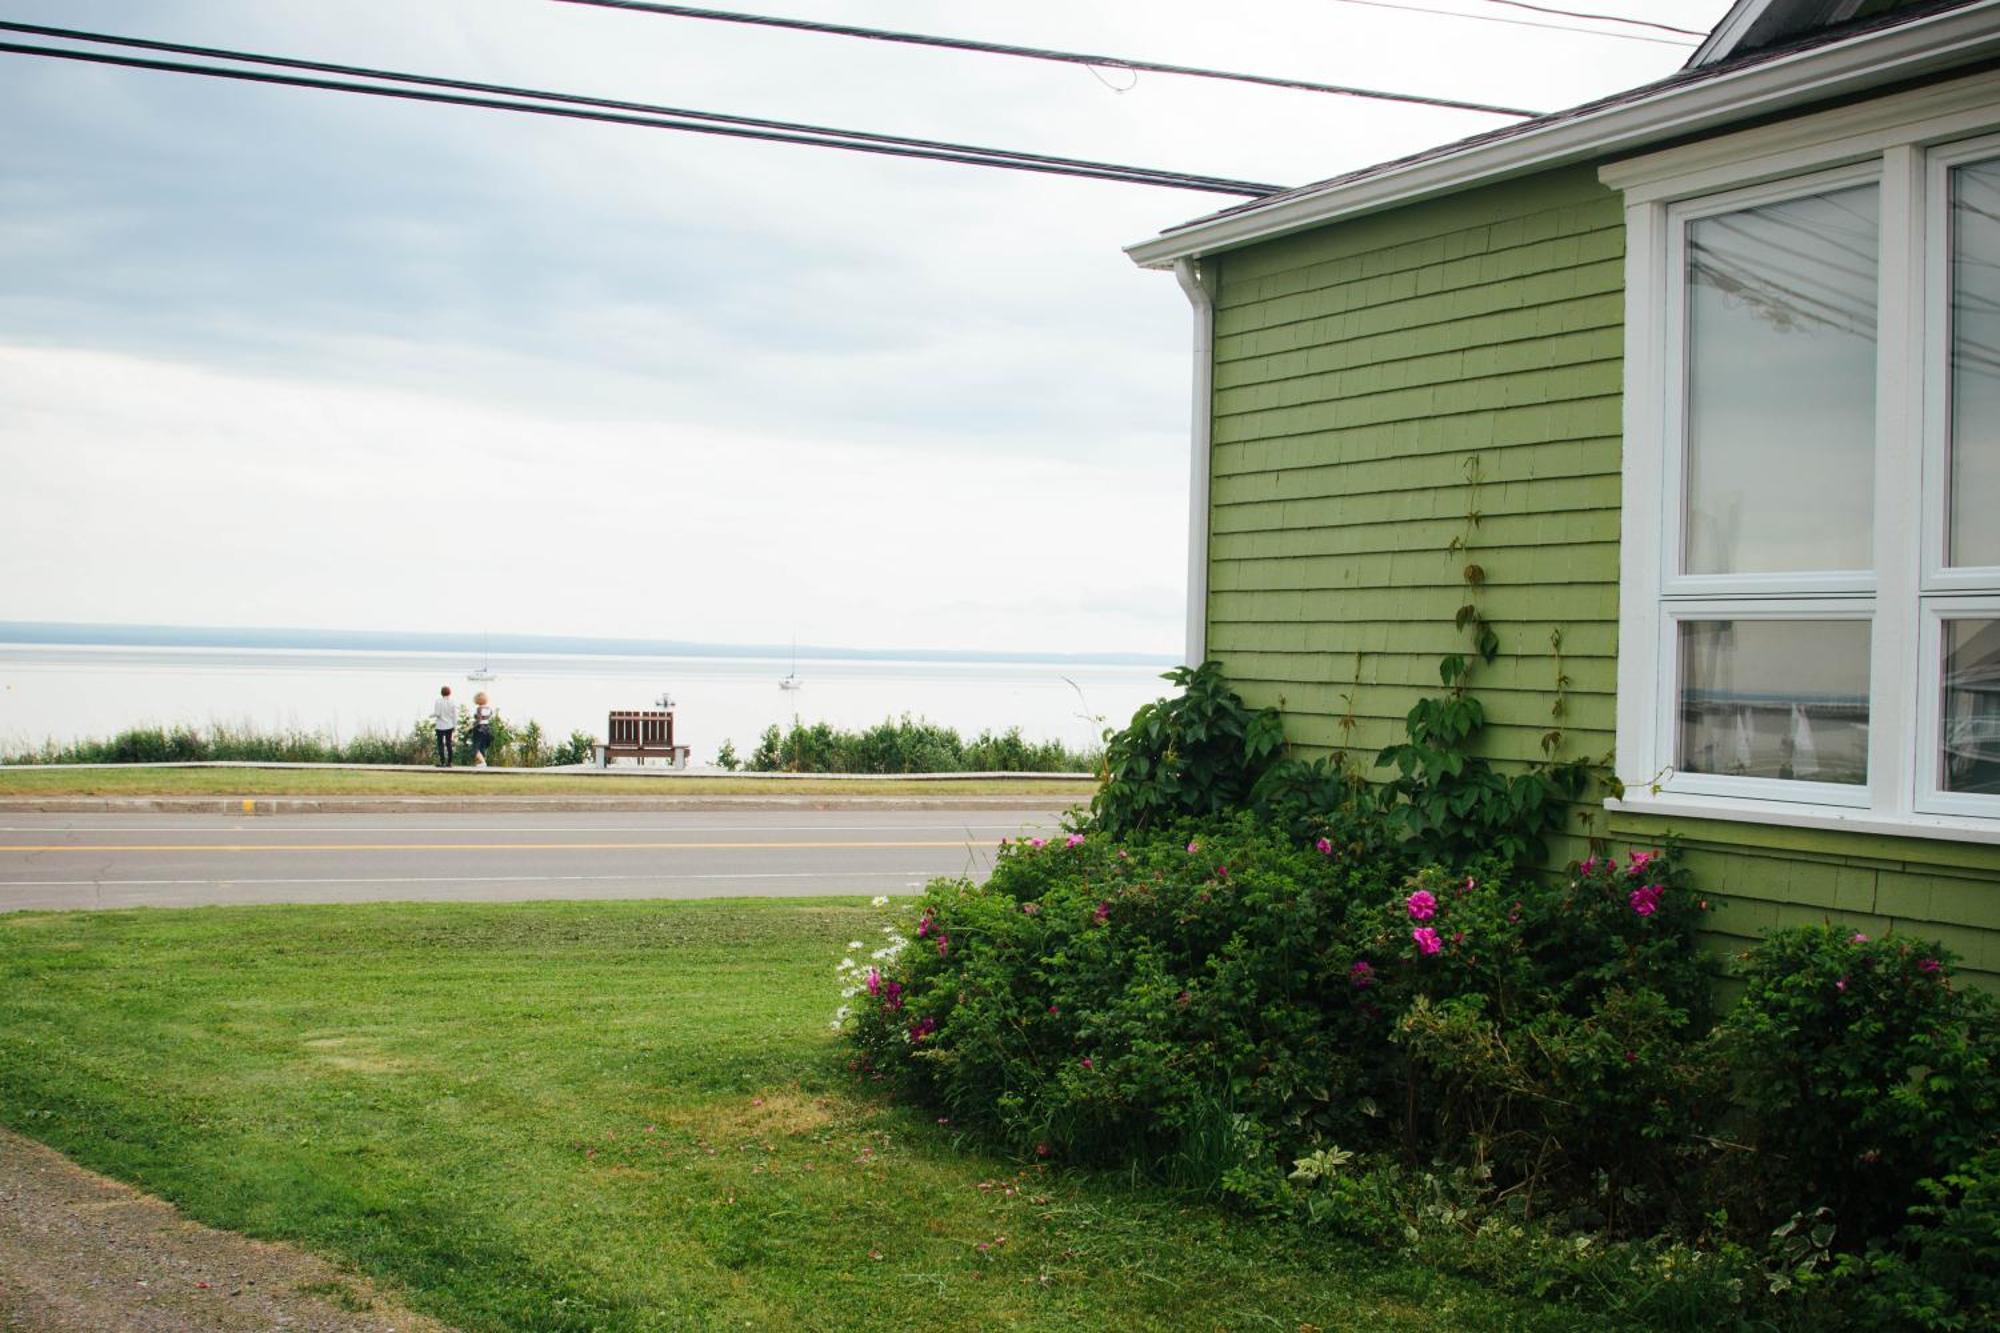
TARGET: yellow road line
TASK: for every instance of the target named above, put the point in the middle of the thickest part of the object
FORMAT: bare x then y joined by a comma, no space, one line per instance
463,846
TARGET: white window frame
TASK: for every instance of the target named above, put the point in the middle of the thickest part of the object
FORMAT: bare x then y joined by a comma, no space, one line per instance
1673,612
1906,142
1931,796
1673,429
1939,576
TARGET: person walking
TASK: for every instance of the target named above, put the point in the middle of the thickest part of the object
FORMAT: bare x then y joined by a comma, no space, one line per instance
482,729
445,714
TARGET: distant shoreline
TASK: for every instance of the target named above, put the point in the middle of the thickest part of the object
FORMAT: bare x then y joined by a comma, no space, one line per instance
77,635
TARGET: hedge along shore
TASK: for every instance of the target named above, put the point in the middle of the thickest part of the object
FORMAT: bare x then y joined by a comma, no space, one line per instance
497,788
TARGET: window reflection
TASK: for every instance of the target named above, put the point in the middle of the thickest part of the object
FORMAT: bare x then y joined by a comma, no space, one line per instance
1975,364
1781,386
1970,756
1775,699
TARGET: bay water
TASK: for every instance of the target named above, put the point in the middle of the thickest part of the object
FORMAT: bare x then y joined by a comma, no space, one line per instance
66,692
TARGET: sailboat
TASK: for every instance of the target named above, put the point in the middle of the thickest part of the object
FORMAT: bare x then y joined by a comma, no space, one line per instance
484,671
791,680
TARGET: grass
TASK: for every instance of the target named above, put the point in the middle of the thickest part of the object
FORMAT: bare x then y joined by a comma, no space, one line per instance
60,780
609,1116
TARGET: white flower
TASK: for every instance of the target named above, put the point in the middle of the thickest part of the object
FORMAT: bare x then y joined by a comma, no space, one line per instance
879,900
854,944
846,965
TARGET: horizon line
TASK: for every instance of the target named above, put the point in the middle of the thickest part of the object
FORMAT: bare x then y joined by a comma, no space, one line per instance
84,634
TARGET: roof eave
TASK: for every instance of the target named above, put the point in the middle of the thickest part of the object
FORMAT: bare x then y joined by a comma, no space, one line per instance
1922,46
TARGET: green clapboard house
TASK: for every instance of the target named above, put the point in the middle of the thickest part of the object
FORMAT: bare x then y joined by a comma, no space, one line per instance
1717,364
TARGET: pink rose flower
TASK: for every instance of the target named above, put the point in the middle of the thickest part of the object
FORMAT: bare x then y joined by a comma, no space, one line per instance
1361,974
1639,861
1193,847
1427,940
1324,846
1037,843
1073,840
1423,905
1857,938
1929,965
1646,901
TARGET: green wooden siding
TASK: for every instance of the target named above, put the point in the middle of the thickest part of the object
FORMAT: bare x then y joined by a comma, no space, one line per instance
1357,368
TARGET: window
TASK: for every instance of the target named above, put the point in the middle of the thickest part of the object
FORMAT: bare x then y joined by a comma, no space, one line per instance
1810,628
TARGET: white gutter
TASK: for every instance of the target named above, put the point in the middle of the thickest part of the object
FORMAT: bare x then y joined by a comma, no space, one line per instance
1192,282
1922,46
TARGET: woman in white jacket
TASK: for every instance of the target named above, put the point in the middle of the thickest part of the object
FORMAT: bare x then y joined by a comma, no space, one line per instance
445,714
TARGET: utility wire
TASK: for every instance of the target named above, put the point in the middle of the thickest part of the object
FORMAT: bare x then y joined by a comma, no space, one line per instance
1518,23
1038,53
1597,18
505,90
576,107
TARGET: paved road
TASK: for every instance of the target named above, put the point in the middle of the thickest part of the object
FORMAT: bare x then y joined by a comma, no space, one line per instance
181,860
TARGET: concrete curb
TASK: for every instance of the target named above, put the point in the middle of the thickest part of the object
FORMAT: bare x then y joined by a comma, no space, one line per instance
433,805
656,773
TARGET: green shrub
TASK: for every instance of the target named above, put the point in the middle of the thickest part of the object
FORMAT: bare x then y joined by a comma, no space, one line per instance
524,746
1859,1069
904,745
1943,1270
1544,1029
578,749
1174,1001
1203,1001
1193,756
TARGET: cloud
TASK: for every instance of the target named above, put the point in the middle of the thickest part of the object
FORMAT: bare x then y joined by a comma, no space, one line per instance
271,356
403,511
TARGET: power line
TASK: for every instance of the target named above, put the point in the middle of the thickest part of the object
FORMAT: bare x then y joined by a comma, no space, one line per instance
577,107
645,108
1038,53
1599,18
1517,23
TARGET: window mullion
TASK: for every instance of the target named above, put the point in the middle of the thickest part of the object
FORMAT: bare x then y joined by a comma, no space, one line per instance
1895,747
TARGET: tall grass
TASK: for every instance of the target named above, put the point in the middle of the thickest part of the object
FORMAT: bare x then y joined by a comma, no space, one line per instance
906,745
522,745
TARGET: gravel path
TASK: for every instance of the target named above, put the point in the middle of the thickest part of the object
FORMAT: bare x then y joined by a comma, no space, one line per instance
83,1254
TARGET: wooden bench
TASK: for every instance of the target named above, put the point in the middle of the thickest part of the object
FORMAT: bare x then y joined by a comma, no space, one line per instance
639,735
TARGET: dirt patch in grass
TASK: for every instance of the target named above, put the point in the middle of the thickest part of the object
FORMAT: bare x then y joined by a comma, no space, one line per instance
771,1115
354,1055
82,1254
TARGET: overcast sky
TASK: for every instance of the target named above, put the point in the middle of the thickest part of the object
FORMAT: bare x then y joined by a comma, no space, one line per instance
276,357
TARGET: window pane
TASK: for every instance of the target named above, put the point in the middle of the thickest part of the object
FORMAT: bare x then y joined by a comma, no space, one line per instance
1775,699
1971,750
1975,364
1781,386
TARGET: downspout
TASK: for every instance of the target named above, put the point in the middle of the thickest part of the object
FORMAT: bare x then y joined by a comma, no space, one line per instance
1193,281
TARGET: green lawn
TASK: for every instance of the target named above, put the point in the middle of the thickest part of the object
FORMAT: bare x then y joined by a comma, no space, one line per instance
65,780
608,1116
